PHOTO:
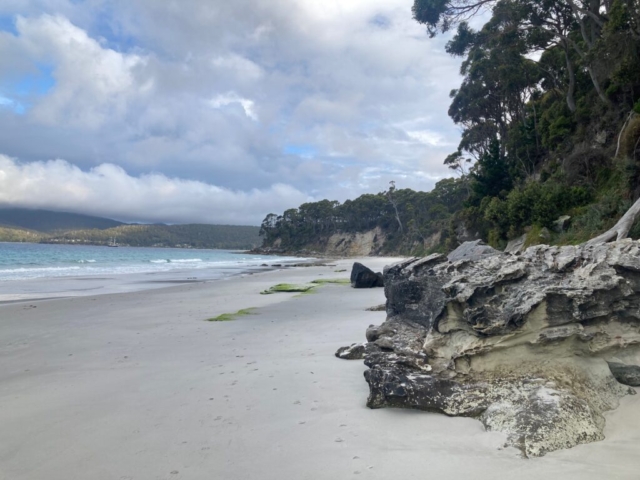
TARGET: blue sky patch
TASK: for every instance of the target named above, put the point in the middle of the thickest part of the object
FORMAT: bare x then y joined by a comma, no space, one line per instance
380,21
305,151
39,83
8,24
106,27
11,104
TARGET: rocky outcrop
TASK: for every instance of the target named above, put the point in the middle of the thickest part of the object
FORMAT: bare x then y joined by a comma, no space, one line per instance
516,245
364,277
352,352
520,342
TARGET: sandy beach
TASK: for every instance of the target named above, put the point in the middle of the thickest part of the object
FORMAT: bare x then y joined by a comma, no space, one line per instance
138,385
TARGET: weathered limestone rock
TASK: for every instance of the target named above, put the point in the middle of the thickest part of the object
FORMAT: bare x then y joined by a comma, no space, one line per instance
472,251
352,352
363,277
519,342
516,245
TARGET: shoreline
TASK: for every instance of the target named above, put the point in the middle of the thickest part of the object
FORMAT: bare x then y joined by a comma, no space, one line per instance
48,288
138,385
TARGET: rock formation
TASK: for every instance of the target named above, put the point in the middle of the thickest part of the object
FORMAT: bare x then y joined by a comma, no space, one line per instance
363,277
352,352
520,342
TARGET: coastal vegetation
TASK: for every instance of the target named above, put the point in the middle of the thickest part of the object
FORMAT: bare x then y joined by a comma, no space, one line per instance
288,288
227,317
20,225
549,108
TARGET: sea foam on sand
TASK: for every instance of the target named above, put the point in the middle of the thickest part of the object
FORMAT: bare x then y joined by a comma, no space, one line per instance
139,385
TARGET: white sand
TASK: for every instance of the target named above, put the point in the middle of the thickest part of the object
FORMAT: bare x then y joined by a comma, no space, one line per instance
139,386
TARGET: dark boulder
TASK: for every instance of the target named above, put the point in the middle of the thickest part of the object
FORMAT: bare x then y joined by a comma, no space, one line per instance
363,277
626,374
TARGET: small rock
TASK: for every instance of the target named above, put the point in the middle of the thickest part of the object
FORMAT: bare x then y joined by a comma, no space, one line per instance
472,252
516,245
352,352
626,374
561,224
378,308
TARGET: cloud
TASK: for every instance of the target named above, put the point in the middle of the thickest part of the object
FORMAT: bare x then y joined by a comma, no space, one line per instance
108,190
91,82
332,98
230,98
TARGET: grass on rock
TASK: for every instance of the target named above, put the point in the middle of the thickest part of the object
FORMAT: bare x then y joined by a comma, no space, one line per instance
227,317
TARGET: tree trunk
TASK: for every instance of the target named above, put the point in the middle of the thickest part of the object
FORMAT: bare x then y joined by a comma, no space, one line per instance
571,103
621,229
596,84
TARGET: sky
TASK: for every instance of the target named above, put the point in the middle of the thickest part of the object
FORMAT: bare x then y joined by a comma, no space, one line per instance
217,111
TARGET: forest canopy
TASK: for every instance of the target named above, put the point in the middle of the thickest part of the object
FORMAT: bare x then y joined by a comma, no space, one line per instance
549,111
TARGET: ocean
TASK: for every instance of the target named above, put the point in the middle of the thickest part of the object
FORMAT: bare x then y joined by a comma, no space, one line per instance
20,261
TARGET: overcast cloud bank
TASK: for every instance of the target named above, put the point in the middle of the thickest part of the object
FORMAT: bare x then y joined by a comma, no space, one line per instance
107,190
266,103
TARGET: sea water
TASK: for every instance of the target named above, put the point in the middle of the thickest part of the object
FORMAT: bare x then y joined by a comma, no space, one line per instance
20,261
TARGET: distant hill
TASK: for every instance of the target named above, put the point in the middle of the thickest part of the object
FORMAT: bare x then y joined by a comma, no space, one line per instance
48,221
41,226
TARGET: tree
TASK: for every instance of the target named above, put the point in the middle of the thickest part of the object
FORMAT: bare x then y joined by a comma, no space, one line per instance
442,15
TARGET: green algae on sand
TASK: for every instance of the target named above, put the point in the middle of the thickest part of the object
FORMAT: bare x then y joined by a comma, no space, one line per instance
227,317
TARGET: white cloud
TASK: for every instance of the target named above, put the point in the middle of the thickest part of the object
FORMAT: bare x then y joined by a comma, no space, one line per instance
108,190
427,137
230,98
92,82
221,91
243,67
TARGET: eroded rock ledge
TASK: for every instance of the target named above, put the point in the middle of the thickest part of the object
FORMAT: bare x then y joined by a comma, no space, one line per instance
520,342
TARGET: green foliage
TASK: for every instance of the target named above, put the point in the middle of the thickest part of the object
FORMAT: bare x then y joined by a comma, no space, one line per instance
183,236
8,234
490,174
547,86
422,214
537,204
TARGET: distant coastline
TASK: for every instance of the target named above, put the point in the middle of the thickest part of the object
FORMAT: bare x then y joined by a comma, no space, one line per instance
46,227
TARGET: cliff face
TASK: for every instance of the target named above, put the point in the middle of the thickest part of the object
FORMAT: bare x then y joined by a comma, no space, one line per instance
355,244
521,342
360,244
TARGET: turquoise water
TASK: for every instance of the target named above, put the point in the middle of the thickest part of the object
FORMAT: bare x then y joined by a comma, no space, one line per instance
28,260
